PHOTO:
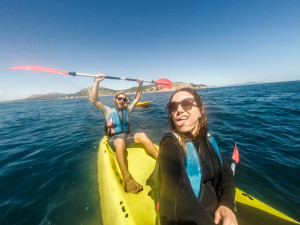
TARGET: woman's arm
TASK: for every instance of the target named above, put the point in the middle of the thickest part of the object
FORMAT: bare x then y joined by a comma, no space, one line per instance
227,186
225,211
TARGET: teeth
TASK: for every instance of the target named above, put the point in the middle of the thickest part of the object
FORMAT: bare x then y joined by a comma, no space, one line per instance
183,118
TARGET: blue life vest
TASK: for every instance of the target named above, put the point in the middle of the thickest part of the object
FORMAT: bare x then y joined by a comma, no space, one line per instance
193,166
215,147
115,124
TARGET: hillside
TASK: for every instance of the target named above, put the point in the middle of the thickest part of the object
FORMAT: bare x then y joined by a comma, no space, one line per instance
84,93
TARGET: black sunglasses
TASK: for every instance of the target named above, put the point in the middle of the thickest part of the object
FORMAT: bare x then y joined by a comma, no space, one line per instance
120,98
186,104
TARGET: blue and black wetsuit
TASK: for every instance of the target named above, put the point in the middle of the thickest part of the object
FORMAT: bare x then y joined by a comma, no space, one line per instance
178,202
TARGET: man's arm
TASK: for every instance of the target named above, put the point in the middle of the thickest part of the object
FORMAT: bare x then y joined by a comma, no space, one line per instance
94,93
139,93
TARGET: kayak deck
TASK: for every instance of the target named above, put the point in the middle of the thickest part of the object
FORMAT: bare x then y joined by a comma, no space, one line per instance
252,211
119,207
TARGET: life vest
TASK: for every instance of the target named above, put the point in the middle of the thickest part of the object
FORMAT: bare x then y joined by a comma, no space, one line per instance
116,125
193,166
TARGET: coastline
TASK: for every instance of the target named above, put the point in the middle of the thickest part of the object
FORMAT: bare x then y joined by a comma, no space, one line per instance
85,93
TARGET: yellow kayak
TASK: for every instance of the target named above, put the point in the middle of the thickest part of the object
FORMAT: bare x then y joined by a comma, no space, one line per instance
143,103
251,211
119,207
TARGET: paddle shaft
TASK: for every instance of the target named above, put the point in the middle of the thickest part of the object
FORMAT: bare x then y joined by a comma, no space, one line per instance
163,82
108,77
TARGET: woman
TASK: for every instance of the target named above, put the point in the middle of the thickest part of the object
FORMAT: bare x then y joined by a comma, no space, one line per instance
197,186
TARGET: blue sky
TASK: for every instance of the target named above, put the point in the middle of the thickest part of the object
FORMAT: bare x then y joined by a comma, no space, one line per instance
203,42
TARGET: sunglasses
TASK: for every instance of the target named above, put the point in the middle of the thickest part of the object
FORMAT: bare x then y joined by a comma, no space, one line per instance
120,98
186,104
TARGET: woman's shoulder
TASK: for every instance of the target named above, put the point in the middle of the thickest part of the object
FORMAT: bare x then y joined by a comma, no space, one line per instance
169,142
170,150
167,137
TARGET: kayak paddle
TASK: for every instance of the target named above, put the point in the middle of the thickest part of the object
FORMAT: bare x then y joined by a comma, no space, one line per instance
164,83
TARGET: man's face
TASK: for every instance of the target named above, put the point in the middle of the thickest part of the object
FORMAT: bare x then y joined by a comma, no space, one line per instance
120,100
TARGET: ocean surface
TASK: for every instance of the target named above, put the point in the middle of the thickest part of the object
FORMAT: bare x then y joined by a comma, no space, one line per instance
48,150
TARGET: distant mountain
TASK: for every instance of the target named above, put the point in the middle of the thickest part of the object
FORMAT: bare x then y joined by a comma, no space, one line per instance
47,96
246,83
85,93
238,84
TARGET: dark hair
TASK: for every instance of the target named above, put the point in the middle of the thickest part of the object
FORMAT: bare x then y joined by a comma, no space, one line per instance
202,132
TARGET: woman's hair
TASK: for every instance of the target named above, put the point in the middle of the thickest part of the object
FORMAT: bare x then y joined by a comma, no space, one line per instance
202,128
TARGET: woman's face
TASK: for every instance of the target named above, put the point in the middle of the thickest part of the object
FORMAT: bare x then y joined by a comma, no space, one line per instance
186,119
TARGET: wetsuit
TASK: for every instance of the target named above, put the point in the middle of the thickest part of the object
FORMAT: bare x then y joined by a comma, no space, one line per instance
178,202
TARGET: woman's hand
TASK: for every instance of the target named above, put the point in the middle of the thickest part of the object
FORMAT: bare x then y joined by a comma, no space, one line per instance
226,215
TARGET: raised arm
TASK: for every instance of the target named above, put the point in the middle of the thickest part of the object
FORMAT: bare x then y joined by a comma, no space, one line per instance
94,93
139,92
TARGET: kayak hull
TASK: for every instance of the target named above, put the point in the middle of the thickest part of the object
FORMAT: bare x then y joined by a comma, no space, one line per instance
119,207
143,103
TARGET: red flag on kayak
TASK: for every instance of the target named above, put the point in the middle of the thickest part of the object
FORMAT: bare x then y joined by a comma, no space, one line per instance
235,155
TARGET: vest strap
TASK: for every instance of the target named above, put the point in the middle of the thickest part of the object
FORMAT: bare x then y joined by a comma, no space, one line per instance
193,167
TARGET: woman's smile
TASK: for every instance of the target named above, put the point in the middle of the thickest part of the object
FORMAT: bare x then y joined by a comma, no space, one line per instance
180,121
185,119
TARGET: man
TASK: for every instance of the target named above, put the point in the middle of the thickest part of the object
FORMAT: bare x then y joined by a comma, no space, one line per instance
117,127
129,100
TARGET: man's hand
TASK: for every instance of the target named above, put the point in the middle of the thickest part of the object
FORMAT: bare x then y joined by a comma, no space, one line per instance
100,77
225,214
140,81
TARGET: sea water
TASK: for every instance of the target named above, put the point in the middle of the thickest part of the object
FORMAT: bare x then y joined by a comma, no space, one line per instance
48,150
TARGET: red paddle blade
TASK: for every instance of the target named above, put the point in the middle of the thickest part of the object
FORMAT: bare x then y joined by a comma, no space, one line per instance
38,68
164,83
235,155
